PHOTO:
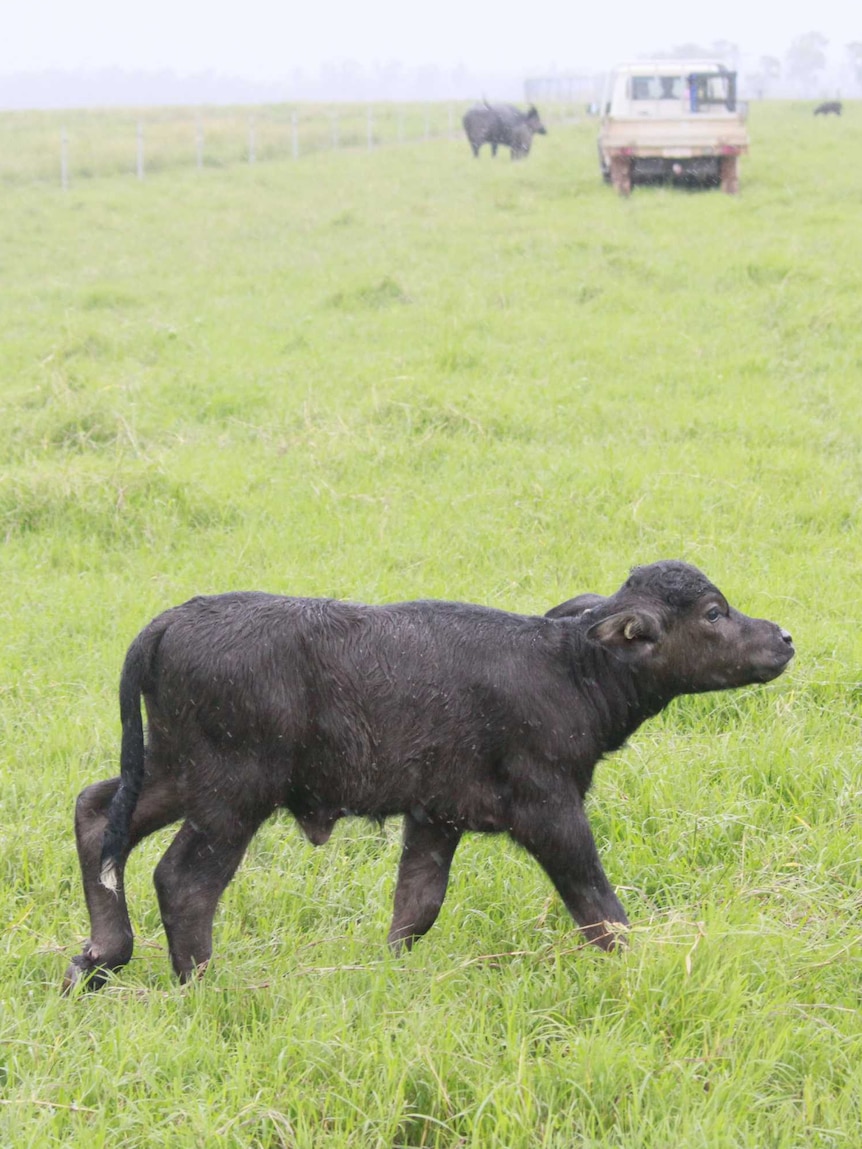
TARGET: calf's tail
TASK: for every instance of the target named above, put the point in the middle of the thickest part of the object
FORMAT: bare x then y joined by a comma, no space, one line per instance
136,670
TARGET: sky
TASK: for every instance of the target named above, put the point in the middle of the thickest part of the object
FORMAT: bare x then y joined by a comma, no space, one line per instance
266,40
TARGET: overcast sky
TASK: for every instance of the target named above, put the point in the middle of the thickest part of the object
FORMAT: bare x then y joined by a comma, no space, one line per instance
268,39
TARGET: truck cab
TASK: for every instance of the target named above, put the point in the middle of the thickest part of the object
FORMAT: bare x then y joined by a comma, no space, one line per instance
672,120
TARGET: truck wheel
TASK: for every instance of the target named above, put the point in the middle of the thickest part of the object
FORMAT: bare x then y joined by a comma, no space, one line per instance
621,174
603,167
729,173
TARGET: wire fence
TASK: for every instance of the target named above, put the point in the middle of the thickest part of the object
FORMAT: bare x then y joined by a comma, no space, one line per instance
67,147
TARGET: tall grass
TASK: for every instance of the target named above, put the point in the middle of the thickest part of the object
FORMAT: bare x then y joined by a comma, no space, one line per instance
406,373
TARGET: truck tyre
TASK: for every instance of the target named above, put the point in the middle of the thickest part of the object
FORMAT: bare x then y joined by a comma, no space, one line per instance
603,167
621,174
729,173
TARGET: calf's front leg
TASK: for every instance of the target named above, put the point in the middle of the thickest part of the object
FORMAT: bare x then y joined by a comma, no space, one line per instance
558,835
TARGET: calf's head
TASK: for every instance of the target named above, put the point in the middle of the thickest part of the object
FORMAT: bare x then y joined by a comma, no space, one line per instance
534,123
678,632
520,140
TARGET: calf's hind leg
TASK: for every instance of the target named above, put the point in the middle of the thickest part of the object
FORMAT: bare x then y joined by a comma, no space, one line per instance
190,879
110,943
423,873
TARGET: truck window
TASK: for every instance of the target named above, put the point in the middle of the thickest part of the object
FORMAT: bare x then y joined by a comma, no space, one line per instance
656,87
711,90
641,88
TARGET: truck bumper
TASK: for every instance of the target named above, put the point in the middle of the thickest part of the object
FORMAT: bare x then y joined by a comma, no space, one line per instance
671,164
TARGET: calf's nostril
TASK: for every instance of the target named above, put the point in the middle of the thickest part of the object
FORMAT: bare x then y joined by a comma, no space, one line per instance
787,636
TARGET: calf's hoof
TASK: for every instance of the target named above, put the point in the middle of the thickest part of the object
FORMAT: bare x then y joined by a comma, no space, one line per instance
83,974
607,935
88,970
189,972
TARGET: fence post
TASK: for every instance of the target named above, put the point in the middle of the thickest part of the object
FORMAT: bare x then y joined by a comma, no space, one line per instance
294,130
64,159
251,155
400,125
427,124
334,117
140,149
199,141
370,129
451,123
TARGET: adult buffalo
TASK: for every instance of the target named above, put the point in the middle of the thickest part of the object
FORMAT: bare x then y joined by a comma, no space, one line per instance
829,108
502,125
458,717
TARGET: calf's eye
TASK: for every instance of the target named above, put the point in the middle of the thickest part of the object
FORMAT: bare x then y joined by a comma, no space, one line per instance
713,614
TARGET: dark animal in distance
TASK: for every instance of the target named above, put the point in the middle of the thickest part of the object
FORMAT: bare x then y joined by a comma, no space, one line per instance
458,717
502,125
829,108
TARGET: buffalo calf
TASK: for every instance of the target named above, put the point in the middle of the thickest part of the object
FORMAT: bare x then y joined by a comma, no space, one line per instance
458,717
502,125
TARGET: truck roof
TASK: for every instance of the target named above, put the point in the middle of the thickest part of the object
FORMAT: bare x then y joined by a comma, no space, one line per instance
669,67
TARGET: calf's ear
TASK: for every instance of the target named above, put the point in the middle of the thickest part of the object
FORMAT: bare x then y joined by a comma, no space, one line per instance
573,607
625,627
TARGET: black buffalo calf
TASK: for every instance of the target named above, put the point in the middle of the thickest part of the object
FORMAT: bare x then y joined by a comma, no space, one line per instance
503,125
458,717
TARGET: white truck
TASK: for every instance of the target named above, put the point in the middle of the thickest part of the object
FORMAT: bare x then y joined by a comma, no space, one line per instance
672,120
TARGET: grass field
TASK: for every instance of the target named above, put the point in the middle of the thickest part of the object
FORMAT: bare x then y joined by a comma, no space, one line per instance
402,374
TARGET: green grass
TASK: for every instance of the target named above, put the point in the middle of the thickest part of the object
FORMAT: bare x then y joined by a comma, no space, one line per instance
407,374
